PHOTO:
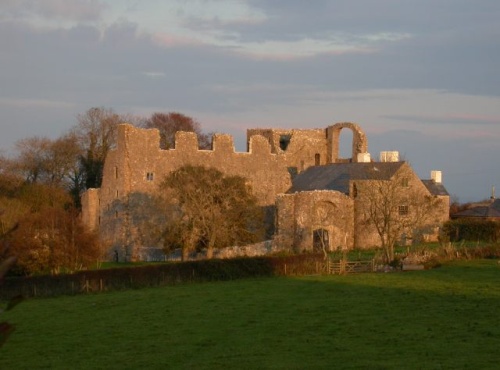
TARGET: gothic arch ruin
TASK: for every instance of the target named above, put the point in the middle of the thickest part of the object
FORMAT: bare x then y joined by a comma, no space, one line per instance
359,142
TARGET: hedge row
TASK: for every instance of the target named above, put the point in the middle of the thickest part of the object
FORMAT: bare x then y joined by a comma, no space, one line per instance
158,275
472,230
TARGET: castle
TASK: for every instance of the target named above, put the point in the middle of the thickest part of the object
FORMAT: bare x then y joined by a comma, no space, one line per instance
285,168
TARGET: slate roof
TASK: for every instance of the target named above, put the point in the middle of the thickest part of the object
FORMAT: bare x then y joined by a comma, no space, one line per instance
435,188
336,176
491,210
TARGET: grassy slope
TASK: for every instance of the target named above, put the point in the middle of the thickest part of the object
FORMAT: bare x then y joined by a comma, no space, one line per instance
444,318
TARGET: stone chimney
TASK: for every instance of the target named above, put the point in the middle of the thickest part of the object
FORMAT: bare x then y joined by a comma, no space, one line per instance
392,156
364,158
437,176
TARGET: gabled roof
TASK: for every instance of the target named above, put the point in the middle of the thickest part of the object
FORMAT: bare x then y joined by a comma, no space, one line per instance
435,188
336,176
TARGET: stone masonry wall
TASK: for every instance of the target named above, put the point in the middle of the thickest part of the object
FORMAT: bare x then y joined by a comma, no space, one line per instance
300,214
133,171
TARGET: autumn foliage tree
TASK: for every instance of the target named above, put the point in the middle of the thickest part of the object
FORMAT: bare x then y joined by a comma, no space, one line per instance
41,228
52,241
206,209
169,123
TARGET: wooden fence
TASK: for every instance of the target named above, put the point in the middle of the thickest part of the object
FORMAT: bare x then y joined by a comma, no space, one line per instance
349,267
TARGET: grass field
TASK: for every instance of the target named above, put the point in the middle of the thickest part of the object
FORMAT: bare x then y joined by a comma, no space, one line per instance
447,318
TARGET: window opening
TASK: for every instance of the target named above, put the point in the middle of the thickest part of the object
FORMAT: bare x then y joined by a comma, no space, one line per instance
321,240
284,141
346,138
404,182
150,176
403,210
354,191
317,159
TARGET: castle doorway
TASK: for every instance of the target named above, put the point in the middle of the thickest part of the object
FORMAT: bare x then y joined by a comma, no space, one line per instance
321,240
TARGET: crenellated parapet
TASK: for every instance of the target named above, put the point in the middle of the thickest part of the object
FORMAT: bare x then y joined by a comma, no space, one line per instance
134,170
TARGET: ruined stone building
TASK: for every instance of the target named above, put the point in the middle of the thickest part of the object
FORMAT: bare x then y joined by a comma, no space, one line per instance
297,176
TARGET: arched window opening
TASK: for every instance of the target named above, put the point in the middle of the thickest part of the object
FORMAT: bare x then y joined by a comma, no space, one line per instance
345,143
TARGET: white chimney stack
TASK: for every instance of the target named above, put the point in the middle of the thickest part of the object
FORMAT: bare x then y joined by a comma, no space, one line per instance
364,157
436,176
389,156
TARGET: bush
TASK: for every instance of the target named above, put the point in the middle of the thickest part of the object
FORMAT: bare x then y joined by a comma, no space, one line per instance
472,230
160,274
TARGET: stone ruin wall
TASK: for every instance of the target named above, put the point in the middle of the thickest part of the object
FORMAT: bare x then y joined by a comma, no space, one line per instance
137,166
299,214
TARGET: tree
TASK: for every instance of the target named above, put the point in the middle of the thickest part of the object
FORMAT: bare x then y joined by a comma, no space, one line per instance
53,240
31,161
206,209
96,134
397,205
39,226
51,162
169,123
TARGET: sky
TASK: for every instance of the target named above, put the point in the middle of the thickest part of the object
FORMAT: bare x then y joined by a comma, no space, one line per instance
419,76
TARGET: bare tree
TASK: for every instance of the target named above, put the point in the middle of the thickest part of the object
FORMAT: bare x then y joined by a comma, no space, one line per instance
169,123
96,134
397,205
207,209
32,156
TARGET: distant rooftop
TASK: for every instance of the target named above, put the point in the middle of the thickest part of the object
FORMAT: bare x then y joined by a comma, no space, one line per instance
491,210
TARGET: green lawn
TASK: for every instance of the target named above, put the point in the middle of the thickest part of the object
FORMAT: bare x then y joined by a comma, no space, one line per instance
447,318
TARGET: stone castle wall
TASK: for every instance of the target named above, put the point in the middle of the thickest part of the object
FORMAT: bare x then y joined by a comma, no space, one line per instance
300,214
134,170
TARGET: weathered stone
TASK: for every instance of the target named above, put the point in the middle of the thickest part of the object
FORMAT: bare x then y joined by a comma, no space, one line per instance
134,170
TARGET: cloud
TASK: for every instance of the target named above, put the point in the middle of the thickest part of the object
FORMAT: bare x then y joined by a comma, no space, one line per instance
453,119
74,10
153,74
300,49
35,103
172,40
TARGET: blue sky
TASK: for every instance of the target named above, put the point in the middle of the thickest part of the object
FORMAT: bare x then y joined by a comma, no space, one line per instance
420,76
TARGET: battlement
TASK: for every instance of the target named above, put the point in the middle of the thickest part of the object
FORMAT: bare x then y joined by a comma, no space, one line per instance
137,166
